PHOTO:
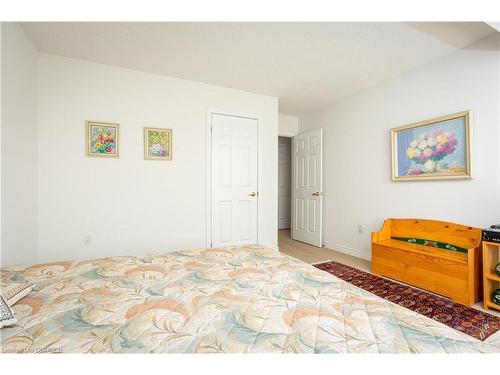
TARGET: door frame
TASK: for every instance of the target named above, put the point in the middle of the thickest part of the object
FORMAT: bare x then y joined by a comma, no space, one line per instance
292,190
215,111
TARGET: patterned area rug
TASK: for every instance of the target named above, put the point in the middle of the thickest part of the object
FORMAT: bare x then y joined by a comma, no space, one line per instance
473,322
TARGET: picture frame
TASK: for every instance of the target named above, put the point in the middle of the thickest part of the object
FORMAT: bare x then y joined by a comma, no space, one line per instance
435,149
157,143
102,139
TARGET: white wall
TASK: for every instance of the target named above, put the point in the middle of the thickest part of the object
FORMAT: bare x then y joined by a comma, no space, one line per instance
288,126
129,205
357,183
18,146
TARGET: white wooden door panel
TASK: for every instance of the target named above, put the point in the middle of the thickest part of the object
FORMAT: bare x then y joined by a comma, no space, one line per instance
307,184
234,179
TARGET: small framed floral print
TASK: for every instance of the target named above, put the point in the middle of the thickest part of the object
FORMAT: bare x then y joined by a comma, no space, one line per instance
434,149
102,139
157,144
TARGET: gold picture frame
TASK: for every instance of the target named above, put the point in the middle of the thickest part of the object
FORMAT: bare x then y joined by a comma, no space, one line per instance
102,139
435,149
157,144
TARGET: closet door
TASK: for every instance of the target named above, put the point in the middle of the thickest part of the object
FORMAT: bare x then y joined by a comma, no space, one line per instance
234,180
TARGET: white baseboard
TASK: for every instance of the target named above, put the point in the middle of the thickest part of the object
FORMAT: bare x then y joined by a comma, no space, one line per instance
348,250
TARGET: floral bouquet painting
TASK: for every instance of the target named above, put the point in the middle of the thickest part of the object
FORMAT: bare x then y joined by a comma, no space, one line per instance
157,144
102,139
437,148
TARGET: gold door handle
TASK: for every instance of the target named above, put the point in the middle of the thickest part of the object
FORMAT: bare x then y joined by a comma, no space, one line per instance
316,194
252,194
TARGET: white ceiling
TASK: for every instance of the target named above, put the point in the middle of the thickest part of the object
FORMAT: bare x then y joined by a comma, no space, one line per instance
307,65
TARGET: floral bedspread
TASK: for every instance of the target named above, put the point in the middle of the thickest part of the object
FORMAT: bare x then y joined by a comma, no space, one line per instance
234,299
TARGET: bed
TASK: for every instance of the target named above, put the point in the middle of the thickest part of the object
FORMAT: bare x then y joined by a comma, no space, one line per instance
234,299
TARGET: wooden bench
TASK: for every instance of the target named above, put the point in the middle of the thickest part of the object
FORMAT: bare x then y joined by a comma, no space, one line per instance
454,274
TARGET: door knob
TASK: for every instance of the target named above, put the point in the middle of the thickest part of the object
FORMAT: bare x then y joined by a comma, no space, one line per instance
316,194
252,194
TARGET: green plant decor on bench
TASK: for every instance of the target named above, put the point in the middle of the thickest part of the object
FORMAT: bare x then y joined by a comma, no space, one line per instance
430,243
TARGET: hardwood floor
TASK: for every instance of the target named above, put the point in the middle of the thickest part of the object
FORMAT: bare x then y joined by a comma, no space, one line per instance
312,254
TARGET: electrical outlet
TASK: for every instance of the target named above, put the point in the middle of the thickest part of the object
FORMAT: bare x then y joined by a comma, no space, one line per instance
87,239
360,228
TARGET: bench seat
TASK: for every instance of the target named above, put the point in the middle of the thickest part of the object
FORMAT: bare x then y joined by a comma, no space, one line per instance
422,249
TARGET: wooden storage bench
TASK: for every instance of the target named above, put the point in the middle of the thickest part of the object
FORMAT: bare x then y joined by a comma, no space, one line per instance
406,250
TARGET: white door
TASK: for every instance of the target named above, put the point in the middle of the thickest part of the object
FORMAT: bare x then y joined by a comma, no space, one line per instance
307,184
284,182
234,180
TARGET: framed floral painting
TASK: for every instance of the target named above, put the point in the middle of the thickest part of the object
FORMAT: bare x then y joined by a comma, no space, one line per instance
432,149
102,139
157,144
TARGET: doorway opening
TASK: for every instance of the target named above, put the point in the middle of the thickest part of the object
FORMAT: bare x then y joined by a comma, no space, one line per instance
284,182
284,187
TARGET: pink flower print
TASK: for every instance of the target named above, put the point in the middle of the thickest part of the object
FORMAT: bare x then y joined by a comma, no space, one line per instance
422,157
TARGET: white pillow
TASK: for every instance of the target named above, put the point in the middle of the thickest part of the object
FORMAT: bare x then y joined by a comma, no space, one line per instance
6,314
15,292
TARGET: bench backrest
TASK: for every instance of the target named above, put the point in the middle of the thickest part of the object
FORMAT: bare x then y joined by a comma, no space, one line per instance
442,231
